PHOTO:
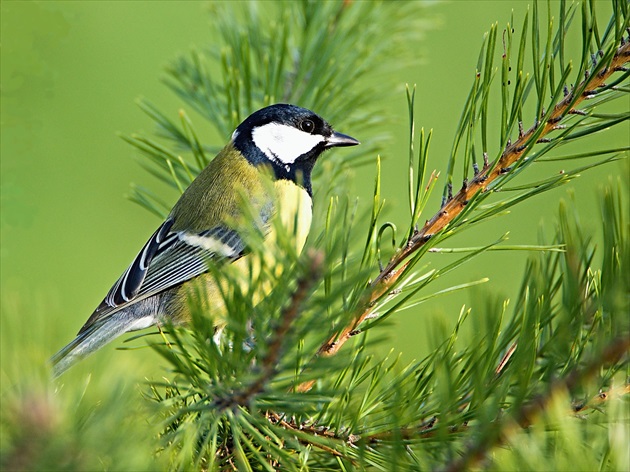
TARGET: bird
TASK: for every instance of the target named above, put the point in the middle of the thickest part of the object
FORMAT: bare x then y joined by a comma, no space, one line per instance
275,147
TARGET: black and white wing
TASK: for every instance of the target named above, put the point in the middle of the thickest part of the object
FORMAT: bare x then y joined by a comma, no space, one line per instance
166,260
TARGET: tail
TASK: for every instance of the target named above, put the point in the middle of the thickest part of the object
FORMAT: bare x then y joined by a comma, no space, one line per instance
88,341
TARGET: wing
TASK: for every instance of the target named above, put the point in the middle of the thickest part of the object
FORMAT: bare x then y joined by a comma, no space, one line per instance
166,260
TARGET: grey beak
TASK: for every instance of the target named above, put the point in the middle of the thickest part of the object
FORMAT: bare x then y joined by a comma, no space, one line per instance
338,140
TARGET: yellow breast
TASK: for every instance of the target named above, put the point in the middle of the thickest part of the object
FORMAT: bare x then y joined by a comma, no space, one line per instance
293,209
292,218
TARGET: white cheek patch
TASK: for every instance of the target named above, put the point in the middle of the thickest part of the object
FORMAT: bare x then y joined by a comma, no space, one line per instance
284,143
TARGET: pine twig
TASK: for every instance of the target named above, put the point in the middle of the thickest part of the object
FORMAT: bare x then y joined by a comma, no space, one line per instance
268,364
305,431
529,412
421,432
428,430
490,173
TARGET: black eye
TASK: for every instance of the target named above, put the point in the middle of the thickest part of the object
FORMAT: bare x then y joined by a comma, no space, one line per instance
307,126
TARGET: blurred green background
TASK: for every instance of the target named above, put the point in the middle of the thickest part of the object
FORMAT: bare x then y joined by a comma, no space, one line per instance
70,74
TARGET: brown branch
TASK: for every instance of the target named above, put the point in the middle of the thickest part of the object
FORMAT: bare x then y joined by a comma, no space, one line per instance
268,364
525,417
490,173
425,431
429,429
530,412
308,430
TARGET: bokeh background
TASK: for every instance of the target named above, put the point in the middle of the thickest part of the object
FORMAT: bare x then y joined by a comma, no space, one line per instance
71,72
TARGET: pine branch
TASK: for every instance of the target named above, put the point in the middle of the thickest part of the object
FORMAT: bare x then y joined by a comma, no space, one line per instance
490,173
528,413
430,430
307,434
269,363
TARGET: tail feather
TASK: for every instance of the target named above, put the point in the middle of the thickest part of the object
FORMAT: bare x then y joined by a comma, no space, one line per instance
88,341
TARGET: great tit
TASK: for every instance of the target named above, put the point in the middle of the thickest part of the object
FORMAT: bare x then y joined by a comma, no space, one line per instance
280,144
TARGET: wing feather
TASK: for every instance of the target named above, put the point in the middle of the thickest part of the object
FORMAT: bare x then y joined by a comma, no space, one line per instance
166,260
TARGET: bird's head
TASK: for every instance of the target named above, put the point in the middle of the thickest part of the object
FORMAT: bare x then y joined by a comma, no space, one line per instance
288,138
